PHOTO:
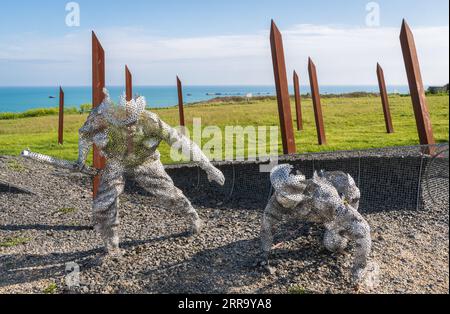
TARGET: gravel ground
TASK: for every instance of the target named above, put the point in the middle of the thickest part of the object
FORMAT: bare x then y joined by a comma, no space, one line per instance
41,233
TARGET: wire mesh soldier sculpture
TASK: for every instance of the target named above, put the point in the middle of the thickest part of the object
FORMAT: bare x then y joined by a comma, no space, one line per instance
110,127
331,199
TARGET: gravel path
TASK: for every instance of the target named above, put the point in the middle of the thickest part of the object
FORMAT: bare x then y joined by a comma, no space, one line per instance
41,233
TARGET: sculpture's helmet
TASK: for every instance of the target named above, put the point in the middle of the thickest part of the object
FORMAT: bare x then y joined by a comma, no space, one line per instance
125,112
289,188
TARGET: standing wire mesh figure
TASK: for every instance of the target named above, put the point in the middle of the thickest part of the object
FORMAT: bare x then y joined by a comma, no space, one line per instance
331,199
110,127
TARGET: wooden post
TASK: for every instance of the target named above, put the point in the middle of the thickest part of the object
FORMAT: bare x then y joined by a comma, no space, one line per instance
180,102
298,102
98,84
128,84
129,97
61,117
283,97
317,103
384,100
416,88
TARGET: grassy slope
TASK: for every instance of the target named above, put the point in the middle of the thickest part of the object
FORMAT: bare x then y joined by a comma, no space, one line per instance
351,123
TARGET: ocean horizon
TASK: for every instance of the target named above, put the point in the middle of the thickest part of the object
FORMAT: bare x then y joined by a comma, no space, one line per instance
19,99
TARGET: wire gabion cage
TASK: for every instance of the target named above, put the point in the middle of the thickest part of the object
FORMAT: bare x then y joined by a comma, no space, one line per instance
392,178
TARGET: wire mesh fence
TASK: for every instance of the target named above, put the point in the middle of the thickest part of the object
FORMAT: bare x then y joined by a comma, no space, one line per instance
394,178
435,185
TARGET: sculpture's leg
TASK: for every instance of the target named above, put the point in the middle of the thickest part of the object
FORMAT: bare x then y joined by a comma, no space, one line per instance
152,177
105,206
334,241
273,215
358,230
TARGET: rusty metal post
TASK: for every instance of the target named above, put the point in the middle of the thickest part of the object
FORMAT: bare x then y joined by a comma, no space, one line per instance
298,102
316,102
283,97
416,88
385,100
180,102
98,84
61,117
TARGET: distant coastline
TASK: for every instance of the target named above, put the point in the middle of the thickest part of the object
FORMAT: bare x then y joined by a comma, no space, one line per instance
21,99
217,101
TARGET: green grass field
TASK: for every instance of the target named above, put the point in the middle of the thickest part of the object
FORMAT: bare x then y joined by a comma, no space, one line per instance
350,123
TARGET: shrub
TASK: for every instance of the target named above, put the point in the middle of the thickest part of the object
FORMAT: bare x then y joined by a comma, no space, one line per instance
33,113
85,108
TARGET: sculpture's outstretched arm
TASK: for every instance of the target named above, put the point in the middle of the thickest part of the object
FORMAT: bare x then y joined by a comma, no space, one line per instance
273,215
179,141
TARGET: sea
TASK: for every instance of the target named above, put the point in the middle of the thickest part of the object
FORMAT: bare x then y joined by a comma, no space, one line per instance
19,99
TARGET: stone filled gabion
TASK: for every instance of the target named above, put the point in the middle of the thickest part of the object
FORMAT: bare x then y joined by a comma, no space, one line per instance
329,198
128,136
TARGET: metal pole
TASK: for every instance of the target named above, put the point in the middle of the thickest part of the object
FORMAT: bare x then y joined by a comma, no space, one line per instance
98,84
416,88
384,100
298,102
61,117
283,97
180,102
317,103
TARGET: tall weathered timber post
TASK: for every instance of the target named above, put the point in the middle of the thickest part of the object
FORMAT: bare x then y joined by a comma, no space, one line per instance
128,84
298,102
283,97
98,84
61,117
385,100
180,102
316,102
129,97
416,88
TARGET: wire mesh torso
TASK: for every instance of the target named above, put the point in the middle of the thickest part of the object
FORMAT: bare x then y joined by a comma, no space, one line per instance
133,144
127,133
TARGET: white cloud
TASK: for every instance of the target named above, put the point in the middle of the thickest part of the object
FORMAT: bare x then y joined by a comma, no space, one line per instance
343,55
349,55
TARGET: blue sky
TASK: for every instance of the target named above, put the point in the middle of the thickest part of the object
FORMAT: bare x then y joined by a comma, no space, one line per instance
216,42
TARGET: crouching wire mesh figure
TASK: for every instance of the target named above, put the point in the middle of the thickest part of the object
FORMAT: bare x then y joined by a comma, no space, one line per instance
128,137
331,199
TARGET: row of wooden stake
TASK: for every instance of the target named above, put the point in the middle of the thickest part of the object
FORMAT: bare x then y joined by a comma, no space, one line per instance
283,97
415,82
